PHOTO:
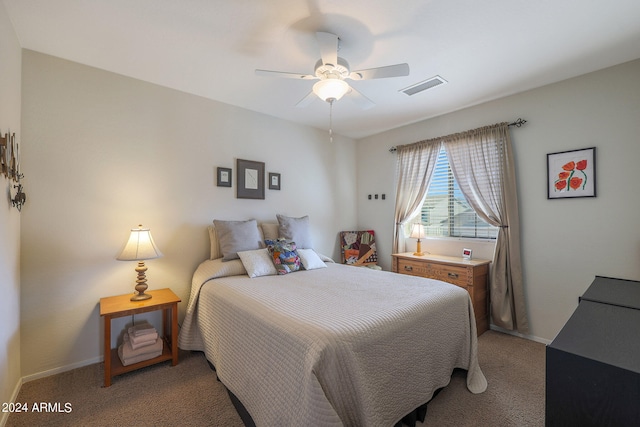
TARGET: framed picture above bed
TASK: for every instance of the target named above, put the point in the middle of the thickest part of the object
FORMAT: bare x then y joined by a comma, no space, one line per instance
250,179
224,177
274,181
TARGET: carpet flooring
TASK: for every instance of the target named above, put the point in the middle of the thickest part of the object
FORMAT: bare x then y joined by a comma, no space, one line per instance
189,395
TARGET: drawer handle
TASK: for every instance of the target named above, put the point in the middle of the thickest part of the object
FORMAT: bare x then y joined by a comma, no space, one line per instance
408,268
453,275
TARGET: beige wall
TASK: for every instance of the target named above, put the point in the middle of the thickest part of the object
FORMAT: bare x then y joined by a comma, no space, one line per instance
107,152
10,66
565,243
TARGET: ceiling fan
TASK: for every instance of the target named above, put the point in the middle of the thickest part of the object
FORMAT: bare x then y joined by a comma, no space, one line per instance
331,71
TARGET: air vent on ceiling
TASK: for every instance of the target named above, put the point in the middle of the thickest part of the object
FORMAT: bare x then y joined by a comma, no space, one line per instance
424,85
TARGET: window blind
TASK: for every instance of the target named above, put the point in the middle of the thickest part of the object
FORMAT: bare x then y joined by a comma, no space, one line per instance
445,212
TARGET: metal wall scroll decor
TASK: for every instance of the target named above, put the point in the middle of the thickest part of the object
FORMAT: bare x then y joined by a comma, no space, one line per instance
10,167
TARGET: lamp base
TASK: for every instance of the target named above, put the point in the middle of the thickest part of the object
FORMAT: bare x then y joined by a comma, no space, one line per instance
141,283
418,251
140,297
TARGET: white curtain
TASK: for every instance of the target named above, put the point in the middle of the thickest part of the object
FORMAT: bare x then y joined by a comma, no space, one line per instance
482,163
415,165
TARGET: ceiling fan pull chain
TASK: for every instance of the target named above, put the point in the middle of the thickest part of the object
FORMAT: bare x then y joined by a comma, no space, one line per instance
331,121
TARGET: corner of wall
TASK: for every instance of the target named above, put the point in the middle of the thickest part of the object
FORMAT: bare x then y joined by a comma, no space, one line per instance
5,415
10,112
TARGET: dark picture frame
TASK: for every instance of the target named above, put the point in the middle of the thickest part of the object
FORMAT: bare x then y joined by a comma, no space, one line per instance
224,177
571,174
274,181
250,179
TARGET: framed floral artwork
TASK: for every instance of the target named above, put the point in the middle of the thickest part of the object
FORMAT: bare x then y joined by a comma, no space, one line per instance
571,174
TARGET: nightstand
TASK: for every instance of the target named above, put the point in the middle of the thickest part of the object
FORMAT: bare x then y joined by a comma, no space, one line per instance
120,306
472,275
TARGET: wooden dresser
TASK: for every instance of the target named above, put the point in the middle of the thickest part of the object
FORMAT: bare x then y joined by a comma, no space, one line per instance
473,275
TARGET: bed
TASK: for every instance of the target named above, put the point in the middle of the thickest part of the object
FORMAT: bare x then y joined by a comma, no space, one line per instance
332,344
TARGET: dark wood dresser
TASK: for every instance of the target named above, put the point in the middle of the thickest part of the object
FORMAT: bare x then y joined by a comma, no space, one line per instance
593,365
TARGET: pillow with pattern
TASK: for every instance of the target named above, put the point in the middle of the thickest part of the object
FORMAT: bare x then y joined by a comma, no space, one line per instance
284,255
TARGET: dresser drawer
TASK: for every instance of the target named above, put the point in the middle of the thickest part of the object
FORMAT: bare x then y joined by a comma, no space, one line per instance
446,273
449,273
413,268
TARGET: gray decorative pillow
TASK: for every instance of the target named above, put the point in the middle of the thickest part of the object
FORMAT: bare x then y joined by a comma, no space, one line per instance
235,236
296,230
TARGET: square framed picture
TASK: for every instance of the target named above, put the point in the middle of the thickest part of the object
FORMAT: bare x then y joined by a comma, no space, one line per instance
571,174
250,178
466,253
224,177
274,181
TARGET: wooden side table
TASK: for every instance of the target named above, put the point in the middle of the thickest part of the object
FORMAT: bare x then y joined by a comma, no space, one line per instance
120,306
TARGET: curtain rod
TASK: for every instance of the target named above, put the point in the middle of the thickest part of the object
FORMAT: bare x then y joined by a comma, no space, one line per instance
518,123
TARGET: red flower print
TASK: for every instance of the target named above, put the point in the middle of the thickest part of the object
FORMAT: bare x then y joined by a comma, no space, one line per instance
575,182
567,179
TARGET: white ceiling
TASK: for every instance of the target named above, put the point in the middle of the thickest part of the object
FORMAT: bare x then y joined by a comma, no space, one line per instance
484,49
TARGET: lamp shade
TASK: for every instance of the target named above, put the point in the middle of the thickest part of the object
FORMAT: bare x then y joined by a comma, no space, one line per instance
331,89
140,246
417,231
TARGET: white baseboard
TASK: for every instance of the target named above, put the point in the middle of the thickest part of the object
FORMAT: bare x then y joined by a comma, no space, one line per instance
518,334
61,369
14,396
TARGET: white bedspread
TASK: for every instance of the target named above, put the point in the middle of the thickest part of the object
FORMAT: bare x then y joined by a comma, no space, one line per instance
334,346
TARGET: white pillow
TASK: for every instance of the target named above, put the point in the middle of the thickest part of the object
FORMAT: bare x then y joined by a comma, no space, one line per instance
258,263
295,230
310,259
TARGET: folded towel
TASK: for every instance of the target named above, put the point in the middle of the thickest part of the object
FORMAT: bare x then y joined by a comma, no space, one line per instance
129,351
126,361
143,340
141,329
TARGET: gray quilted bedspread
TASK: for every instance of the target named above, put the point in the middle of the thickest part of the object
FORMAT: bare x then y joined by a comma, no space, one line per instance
333,346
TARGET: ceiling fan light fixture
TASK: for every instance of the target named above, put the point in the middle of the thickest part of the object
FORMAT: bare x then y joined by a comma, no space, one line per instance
331,89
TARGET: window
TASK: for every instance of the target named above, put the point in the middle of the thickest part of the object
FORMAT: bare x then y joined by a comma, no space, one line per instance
446,213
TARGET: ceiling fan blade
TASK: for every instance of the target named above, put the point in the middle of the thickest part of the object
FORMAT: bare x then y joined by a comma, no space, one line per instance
328,48
285,74
397,70
362,101
306,100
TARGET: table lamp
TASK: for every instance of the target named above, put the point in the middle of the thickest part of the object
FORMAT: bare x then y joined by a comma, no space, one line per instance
417,232
140,247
